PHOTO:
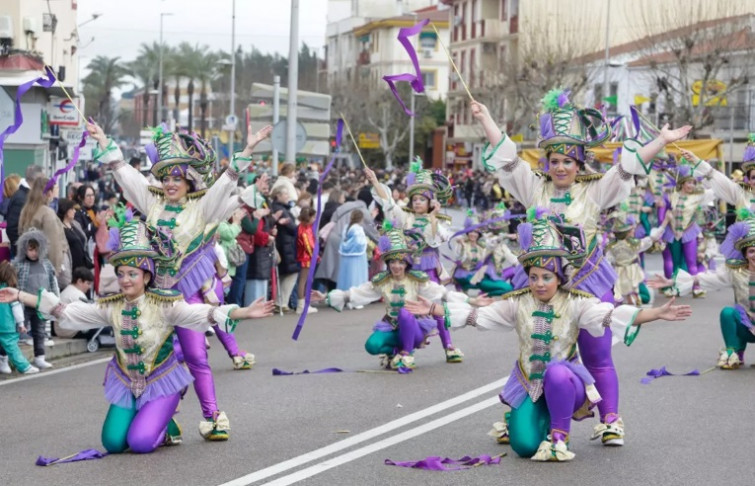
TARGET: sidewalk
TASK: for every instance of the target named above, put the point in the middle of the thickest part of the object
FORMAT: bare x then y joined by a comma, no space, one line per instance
62,348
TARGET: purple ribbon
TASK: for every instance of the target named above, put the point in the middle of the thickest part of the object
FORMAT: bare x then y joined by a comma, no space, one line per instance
51,183
655,374
437,463
316,224
81,456
18,118
415,80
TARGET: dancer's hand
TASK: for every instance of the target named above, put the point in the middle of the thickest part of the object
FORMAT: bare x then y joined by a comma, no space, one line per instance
8,295
254,138
690,156
370,175
259,308
670,136
670,312
479,111
481,300
658,281
97,133
420,307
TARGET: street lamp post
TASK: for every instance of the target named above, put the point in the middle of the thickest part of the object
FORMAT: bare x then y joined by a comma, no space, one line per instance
160,69
232,129
605,68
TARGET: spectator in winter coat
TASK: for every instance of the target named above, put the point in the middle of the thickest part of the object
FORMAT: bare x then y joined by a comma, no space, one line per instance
288,268
16,204
258,223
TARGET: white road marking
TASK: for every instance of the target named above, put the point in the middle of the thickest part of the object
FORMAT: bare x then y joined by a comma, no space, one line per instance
377,431
44,374
396,439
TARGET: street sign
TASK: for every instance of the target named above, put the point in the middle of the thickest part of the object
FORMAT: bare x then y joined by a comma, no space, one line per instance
62,112
73,137
231,120
369,140
278,137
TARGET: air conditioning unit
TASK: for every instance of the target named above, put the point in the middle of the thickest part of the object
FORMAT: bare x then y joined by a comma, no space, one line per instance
427,53
6,27
30,25
458,19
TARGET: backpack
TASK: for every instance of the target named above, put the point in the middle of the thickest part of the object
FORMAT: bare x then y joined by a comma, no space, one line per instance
236,255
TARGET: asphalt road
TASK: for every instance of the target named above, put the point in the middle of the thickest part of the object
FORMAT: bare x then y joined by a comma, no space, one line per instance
338,428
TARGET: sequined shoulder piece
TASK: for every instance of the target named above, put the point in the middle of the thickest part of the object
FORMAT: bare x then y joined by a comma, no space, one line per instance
515,293
417,275
380,278
580,293
162,296
109,299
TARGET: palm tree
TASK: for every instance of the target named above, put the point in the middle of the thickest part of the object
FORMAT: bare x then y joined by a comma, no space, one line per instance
145,69
202,65
107,74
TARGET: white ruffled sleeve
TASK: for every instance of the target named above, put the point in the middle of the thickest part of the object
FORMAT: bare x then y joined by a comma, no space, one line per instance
720,279
591,314
362,295
722,186
391,210
611,189
78,316
499,316
198,317
515,175
622,323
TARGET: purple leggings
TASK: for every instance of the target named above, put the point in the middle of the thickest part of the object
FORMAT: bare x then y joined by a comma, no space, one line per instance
564,395
689,253
190,347
141,431
443,332
596,356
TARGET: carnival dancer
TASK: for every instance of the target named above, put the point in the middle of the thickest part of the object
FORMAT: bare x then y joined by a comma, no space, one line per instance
739,274
738,194
143,382
623,251
426,191
548,386
681,225
571,192
397,334
480,258
186,210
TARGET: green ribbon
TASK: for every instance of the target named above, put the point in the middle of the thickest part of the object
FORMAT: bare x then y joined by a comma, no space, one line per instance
133,313
138,367
566,199
134,333
169,223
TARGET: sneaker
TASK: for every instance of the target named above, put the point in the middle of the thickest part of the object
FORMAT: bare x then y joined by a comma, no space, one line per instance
698,293
4,366
49,342
403,361
215,429
173,434
454,355
385,361
26,342
243,362
30,370
550,452
610,434
729,360
500,431
39,362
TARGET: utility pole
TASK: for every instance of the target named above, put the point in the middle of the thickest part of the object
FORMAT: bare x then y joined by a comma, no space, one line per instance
232,110
160,71
276,119
293,84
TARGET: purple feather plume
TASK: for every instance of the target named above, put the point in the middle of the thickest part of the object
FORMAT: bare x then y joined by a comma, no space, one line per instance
563,98
410,178
736,232
749,154
151,151
384,244
525,235
616,154
546,127
114,239
635,120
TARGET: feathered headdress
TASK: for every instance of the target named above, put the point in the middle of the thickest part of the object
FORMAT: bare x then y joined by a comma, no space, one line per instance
131,241
541,242
748,159
432,185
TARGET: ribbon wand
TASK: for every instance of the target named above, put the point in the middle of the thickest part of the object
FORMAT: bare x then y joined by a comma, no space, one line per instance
453,64
351,135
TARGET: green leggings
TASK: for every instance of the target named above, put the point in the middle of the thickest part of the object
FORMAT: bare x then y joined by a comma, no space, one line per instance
141,430
528,426
491,287
382,342
736,335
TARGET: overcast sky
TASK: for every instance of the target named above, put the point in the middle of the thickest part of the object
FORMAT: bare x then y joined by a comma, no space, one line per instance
125,24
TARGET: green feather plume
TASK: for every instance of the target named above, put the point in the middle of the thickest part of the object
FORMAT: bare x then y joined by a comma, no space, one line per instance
387,226
119,217
416,165
532,213
751,137
743,213
550,100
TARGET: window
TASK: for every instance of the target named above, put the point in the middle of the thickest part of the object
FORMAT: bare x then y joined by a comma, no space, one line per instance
464,21
613,90
514,17
504,13
473,18
456,27
472,71
597,93
429,79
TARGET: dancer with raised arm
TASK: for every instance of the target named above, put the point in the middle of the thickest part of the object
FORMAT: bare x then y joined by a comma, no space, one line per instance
185,209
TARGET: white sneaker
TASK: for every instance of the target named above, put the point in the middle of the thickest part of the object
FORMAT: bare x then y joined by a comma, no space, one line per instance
39,362
30,370
26,342
4,366
49,342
